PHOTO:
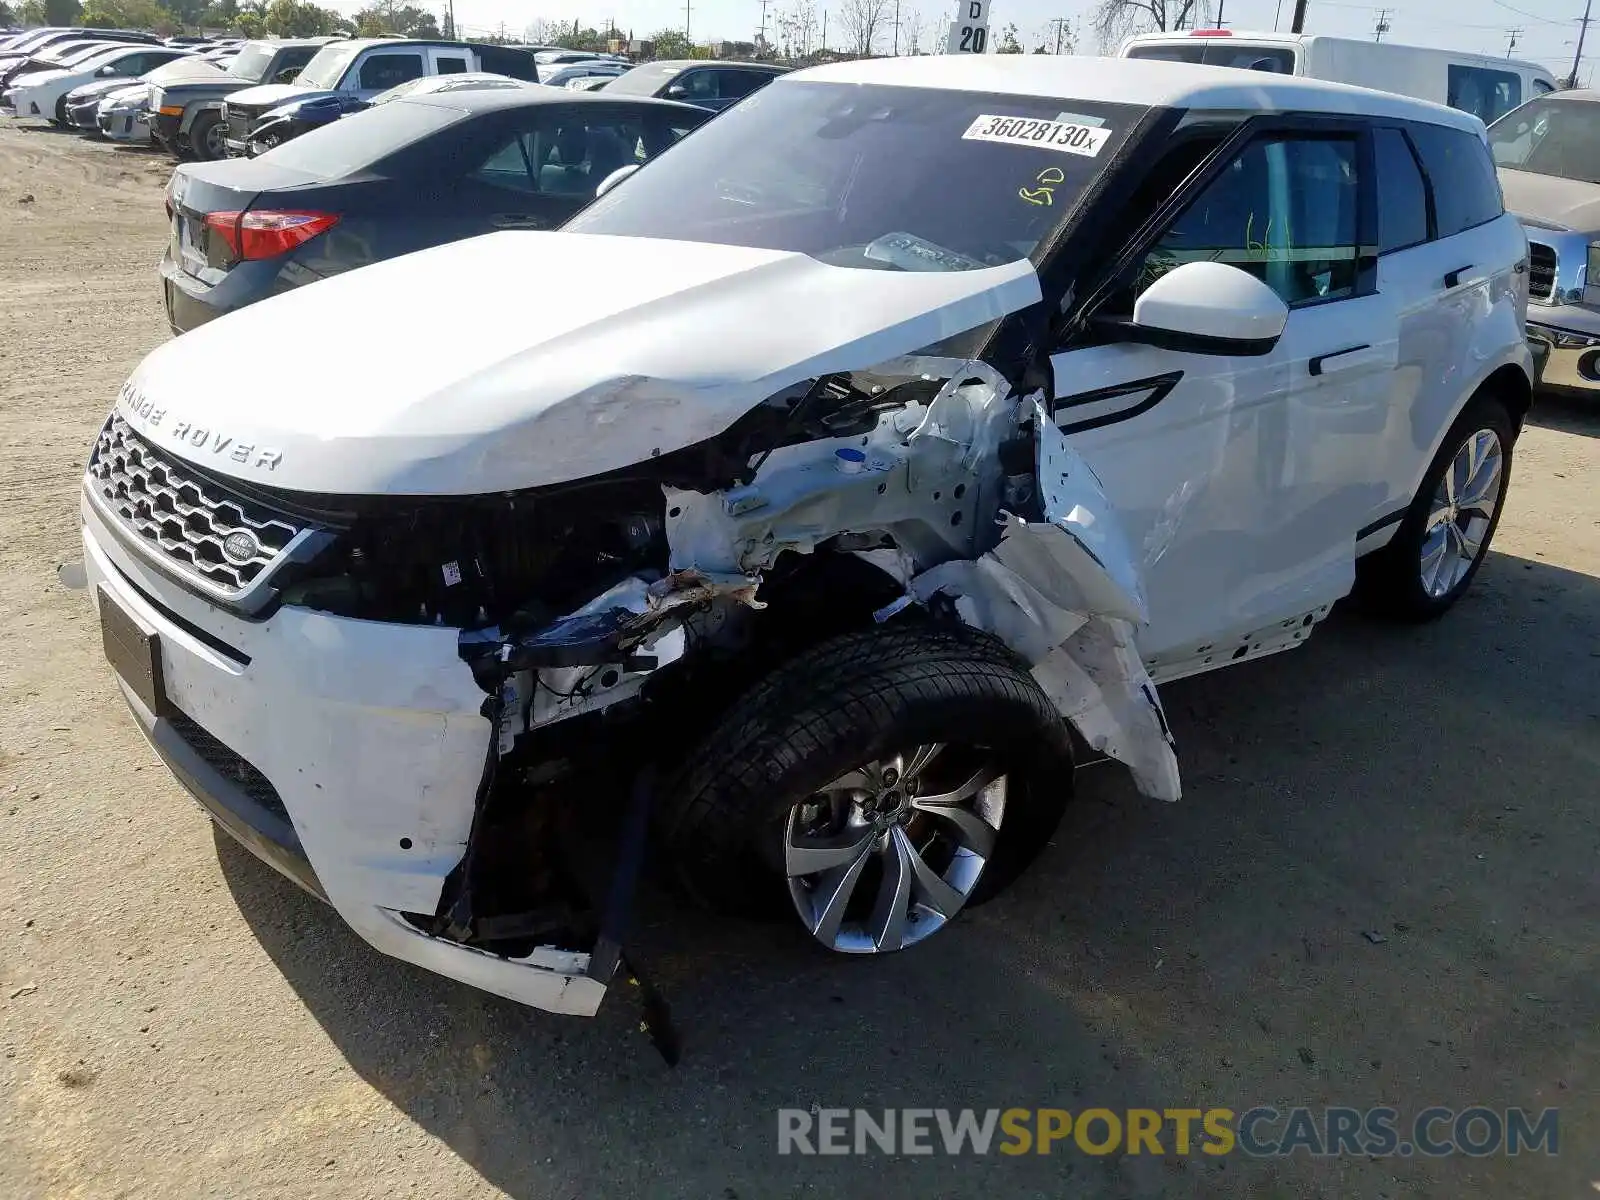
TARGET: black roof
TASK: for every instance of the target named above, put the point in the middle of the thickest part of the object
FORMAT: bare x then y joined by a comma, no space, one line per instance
481,100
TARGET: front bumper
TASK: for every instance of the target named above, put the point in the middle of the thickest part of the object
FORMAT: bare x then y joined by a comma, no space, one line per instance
1566,350
345,753
125,125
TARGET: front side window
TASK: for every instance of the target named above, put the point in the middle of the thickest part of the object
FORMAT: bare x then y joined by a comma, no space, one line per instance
874,177
1487,95
383,71
1550,136
1285,210
1466,191
1403,212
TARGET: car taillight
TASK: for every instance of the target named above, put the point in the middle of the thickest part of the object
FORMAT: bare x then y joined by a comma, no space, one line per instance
267,234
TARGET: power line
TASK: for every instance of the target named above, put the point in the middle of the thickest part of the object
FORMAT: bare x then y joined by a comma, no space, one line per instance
1532,16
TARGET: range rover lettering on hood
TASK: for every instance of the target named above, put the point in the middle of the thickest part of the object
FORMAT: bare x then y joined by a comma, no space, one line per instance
552,357
152,420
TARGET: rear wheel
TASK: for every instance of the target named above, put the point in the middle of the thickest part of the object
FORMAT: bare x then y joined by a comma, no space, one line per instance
1446,532
205,137
873,787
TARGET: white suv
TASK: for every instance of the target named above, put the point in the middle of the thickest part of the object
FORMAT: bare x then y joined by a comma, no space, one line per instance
907,415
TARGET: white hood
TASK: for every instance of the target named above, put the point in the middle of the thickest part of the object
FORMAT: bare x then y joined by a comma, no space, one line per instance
458,370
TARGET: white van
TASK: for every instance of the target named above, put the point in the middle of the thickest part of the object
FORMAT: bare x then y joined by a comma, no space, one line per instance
1480,84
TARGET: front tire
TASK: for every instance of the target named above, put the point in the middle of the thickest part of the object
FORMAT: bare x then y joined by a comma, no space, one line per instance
1442,540
205,138
873,786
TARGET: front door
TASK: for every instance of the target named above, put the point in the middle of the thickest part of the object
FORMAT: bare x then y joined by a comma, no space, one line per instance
1240,481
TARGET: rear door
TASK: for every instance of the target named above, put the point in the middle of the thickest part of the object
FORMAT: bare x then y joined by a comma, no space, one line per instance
450,60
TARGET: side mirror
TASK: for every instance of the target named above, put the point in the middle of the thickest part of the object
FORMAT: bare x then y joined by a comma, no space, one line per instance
286,75
106,72
676,92
1208,308
616,177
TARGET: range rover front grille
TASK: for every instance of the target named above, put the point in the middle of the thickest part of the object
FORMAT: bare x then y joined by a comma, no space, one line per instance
1541,271
185,519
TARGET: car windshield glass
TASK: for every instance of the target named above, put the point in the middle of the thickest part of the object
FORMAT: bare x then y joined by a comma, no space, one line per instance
1550,137
348,146
645,80
1221,52
887,178
327,66
251,62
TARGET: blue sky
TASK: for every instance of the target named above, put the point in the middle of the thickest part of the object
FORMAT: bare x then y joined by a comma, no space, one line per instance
1550,27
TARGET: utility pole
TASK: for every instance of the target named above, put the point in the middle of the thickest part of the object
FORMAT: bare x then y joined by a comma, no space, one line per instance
1381,25
1511,44
761,34
897,28
1221,7
1061,28
686,36
824,31
1298,25
1577,58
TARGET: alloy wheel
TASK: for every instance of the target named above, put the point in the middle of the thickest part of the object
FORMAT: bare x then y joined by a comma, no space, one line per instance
886,854
1463,509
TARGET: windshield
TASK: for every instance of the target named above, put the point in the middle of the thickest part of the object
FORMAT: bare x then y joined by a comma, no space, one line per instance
327,66
886,178
251,62
1550,136
1220,52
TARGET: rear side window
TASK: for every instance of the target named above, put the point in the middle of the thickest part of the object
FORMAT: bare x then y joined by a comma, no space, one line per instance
1466,191
383,71
1486,94
516,63
361,140
1403,211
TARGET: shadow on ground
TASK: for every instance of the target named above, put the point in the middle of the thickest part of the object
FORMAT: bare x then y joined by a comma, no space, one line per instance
1567,414
1375,891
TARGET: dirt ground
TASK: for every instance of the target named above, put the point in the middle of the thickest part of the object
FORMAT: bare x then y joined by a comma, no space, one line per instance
177,1021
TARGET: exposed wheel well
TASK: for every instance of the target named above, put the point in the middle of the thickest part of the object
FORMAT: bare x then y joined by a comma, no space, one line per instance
1512,385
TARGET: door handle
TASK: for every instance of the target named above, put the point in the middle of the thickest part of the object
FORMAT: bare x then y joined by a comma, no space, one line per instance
1316,365
514,221
1452,278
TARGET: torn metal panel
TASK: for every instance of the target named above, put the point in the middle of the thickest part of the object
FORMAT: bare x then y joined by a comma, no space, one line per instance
1066,594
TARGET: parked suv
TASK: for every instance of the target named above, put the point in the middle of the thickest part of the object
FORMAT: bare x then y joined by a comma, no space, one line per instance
1548,152
815,501
186,103
361,69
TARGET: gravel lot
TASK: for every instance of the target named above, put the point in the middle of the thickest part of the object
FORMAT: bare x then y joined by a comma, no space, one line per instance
177,1021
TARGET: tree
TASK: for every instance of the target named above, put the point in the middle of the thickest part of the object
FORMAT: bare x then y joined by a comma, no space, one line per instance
538,32
1056,37
388,19
863,21
7,16
1115,19
914,31
124,14
1008,41
673,43
797,29
59,12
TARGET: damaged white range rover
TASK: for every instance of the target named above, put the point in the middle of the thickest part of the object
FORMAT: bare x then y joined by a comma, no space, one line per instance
908,416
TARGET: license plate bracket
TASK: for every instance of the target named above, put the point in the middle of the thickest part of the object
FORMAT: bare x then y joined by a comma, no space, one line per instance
134,652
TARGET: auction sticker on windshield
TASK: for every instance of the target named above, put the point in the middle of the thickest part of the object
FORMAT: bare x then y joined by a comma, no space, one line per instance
1066,136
